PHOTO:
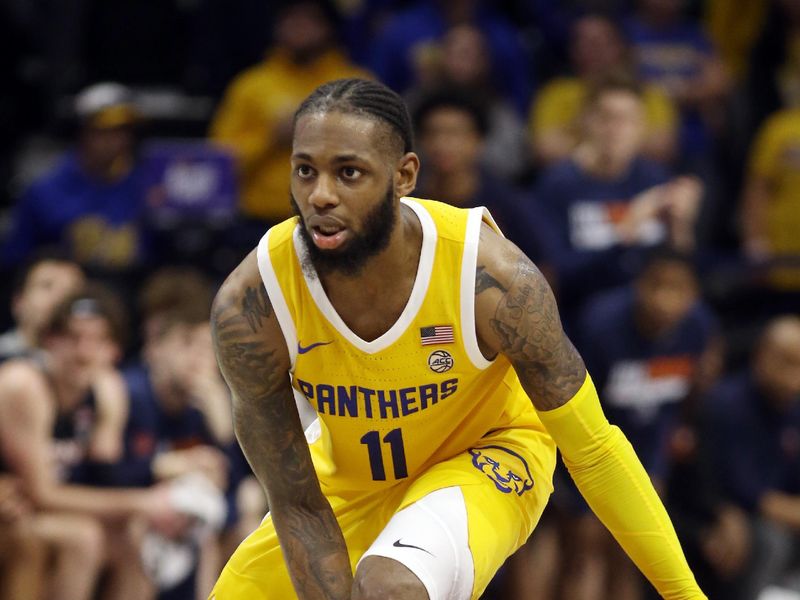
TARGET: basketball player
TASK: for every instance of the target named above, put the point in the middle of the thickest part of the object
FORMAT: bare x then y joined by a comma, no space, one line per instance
432,351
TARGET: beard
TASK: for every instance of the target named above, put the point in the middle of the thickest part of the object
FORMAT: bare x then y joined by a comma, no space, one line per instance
350,258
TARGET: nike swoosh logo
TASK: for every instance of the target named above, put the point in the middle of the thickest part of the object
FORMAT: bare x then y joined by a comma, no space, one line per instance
302,350
399,544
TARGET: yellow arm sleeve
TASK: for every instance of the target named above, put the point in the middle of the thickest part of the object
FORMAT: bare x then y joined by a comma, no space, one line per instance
611,478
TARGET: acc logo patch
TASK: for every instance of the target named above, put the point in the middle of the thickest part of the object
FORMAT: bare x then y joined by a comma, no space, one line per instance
440,361
508,470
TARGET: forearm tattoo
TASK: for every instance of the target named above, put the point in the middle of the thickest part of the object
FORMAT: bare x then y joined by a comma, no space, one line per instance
528,327
269,430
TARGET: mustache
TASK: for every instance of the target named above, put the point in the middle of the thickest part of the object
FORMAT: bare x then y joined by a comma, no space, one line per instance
367,240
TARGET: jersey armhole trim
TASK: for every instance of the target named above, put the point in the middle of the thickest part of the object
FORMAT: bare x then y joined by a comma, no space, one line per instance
469,263
277,298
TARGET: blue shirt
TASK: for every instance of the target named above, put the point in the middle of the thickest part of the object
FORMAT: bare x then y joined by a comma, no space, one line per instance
406,34
151,430
519,217
586,251
642,380
671,53
99,224
756,449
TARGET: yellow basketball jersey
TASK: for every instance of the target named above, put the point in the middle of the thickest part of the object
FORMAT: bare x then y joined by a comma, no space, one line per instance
422,392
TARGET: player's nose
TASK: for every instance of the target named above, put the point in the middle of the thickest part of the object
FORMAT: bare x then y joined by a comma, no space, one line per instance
324,195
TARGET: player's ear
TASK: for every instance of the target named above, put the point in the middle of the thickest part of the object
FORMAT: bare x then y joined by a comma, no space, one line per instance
405,175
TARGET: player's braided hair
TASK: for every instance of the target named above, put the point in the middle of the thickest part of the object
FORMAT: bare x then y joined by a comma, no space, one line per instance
362,97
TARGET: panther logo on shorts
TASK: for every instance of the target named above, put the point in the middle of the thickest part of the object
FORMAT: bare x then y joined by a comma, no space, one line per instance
507,469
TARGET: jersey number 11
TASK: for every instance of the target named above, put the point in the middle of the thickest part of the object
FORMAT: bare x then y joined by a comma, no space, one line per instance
394,438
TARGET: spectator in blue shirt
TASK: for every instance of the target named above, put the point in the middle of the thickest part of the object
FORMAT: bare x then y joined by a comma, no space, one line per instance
91,203
607,204
408,40
179,422
451,126
676,54
644,344
754,421
464,62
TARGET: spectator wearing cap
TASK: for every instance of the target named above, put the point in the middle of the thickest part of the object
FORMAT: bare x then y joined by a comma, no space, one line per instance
91,203
255,116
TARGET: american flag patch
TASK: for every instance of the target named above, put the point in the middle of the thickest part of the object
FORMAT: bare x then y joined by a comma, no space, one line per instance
438,334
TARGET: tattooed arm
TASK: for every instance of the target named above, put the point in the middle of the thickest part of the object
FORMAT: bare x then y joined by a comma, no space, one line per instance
516,315
254,360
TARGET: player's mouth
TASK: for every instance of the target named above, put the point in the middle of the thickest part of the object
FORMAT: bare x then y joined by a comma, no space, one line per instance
328,236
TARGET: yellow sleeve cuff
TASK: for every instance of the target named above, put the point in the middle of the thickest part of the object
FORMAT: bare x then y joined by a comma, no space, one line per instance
619,491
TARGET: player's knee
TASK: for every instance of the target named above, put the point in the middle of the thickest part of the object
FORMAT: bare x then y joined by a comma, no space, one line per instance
379,578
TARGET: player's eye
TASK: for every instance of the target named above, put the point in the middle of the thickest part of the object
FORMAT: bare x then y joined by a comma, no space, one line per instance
304,171
350,173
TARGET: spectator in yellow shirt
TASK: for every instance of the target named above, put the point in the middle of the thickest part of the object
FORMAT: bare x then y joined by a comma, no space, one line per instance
770,214
597,48
255,116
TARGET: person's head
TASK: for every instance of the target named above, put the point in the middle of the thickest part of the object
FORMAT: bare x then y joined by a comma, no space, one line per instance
662,11
451,126
88,331
776,363
465,57
44,282
352,160
108,119
305,28
666,290
613,120
168,288
178,350
597,46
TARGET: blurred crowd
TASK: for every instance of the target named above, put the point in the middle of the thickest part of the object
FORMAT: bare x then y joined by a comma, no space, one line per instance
645,153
